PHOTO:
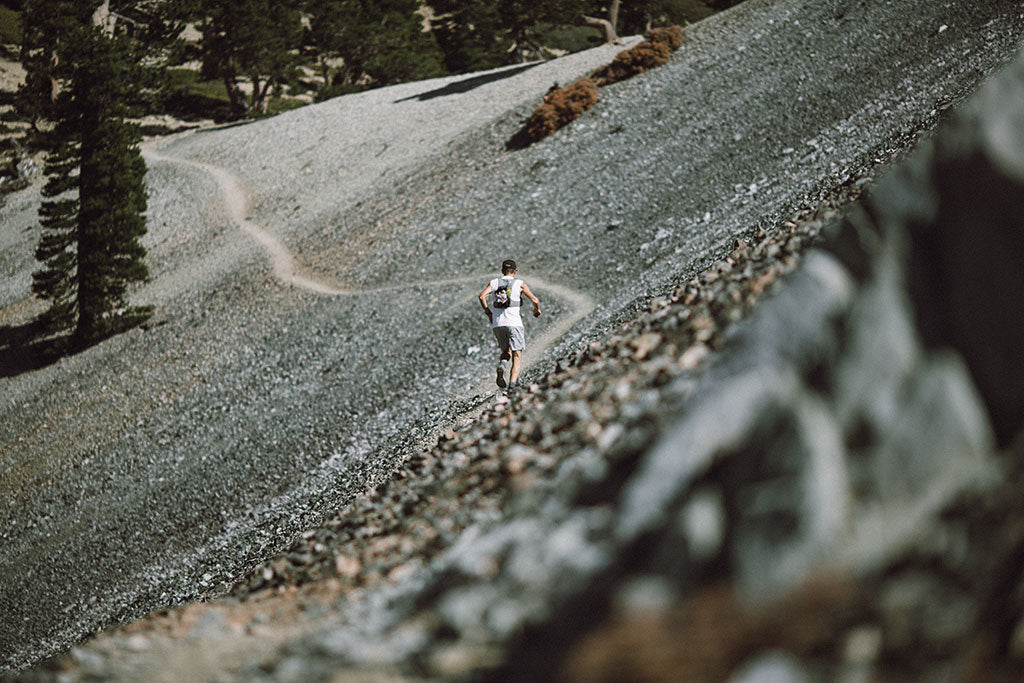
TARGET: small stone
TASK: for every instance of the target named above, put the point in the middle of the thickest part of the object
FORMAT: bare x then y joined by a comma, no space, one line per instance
92,662
609,435
693,357
137,643
703,328
649,596
703,523
457,661
518,458
645,344
212,624
772,667
863,645
347,566
402,571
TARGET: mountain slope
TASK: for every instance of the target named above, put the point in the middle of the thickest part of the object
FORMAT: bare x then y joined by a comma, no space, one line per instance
167,461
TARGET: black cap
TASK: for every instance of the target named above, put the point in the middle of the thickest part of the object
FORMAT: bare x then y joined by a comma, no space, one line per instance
508,265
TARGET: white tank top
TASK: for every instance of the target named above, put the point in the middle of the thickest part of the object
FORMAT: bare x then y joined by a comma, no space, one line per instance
507,317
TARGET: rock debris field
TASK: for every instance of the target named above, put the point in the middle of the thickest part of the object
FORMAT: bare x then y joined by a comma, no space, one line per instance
306,433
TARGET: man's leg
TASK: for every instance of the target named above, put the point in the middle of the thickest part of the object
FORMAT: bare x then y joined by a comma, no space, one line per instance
500,377
516,344
517,362
501,336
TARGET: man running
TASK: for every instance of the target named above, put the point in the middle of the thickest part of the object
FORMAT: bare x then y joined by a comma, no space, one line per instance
505,294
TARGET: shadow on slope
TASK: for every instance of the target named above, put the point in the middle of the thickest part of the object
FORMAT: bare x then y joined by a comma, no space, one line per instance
467,84
37,344
26,347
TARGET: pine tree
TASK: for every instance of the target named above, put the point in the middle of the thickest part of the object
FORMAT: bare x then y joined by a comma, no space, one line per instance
255,40
520,17
381,42
470,34
480,34
94,199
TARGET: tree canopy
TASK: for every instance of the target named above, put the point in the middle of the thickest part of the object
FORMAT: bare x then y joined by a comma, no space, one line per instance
379,43
84,83
253,40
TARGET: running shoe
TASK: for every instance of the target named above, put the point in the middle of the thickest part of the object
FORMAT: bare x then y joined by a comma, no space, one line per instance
500,379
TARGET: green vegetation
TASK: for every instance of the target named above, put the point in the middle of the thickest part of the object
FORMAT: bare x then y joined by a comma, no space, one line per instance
189,98
482,34
377,43
559,38
10,26
84,84
639,16
252,40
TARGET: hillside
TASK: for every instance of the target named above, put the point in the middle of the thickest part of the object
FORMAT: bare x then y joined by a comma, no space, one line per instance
290,369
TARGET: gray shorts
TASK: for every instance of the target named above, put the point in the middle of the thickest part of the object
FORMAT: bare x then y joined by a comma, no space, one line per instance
510,338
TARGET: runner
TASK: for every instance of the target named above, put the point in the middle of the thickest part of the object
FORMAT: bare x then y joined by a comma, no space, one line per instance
505,294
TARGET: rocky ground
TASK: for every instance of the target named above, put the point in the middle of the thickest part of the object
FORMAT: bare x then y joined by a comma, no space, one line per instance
496,457
253,413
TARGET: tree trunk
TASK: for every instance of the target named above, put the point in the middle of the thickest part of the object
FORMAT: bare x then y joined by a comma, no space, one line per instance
261,95
325,69
608,26
613,16
605,26
235,96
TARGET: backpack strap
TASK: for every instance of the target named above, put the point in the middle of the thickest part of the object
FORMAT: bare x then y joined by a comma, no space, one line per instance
512,303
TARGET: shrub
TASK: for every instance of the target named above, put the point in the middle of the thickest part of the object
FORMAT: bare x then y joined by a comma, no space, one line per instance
561,105
629,63
327,92
10,26
667,35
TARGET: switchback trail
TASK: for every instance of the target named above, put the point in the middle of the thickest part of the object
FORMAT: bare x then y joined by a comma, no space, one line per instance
237,203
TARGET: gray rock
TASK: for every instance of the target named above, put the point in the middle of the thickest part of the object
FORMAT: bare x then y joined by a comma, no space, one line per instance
211,625
772,667
941,427
790,498
882,349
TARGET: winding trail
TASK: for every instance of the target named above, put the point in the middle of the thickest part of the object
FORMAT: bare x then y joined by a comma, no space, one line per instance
237,204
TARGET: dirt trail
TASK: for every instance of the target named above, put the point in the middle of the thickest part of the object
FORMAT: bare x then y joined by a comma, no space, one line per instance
237,203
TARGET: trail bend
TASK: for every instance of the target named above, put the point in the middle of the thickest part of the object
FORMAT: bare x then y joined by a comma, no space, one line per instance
237,205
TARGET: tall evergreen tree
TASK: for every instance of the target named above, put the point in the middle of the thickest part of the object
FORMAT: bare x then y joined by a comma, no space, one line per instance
94,199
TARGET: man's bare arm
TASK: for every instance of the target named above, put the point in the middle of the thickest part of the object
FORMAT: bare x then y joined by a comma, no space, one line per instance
535,300
483,300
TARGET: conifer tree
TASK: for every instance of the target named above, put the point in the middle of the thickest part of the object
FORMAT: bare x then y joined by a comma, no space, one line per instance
470,34
94,198
254,40
478,34
383,42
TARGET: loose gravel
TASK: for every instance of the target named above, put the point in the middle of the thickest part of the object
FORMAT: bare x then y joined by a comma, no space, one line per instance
169,461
